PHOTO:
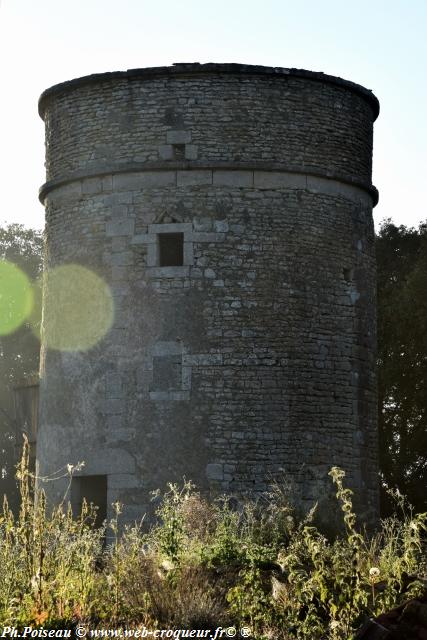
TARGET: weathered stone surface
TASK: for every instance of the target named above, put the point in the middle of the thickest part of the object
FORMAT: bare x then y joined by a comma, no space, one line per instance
215,471
269,324
278,180
166,151
191,152
122,227
233,178
178,137
194,177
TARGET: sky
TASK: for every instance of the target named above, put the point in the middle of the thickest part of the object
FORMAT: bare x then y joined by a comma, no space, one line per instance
380,44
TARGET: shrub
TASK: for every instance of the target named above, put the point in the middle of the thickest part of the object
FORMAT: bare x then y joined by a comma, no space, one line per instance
202,565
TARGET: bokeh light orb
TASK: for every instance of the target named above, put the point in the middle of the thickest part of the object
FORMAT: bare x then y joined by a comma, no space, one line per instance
78,308
16,297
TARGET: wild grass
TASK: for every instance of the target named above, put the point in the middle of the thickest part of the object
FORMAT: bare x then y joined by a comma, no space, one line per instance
203,565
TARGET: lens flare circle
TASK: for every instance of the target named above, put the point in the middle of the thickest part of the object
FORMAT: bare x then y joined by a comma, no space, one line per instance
16,297
78,308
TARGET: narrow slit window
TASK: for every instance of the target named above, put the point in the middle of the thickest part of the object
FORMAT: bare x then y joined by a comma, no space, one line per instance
171,249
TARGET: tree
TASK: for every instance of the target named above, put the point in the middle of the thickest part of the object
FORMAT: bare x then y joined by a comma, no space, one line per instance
402,360
19,350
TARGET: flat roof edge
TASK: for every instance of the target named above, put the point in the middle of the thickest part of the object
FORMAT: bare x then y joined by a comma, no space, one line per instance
185,68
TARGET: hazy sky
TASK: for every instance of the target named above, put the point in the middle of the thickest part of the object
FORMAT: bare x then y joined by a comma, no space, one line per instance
380,44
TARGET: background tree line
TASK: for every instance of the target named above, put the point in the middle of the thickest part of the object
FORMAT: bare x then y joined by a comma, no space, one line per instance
402,358
19,353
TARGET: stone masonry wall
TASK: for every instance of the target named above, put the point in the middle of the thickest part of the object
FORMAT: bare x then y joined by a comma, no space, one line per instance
255,359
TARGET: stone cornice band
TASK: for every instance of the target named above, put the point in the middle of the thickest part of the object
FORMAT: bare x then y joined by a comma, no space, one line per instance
238,175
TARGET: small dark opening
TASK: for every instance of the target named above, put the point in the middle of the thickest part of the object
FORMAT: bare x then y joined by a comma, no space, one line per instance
348,274
178,151
93,489
171,249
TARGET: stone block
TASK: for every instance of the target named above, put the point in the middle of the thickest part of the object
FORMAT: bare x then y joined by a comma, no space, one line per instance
143,180
152,254
67,192
191,152
144,238
119,243
119,211
323,185
337,188
188,253
158,179
108,461
92,185
121,259
175,227
193,177
123,227
160,396
202,224
166,152
124,197
179,396
113,385
186,378
221,226
166,348
178,136
168,272
107,183
214,471
279,180
122,481
233,178
126,181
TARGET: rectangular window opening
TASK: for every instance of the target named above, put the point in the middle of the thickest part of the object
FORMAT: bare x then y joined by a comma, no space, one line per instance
348,274
93,489
171,249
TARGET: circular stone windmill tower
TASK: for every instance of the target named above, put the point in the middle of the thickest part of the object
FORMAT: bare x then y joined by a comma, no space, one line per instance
218,221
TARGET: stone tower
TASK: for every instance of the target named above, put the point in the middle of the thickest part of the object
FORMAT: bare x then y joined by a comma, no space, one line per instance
227,209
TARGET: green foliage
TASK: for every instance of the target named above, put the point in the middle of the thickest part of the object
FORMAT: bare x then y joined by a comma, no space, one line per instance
19,351
47,561
169,536
329,582
203,565
402,360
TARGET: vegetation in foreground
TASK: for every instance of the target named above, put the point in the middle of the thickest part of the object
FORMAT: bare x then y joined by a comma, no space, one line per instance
205,565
